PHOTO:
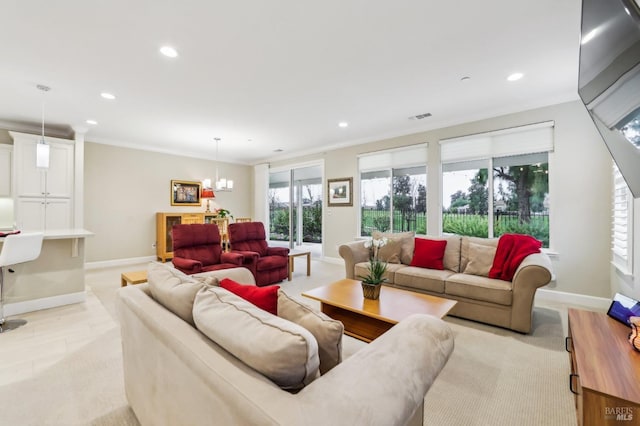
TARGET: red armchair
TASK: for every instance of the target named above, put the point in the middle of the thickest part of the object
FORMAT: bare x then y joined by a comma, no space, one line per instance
270,264
196,248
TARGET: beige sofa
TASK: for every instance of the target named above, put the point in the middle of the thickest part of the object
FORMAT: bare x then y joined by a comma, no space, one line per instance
507,304
175,375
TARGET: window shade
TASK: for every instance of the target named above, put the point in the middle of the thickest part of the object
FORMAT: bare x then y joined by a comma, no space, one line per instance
520,140
394,158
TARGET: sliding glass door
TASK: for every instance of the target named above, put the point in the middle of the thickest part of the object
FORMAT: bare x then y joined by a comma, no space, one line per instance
295,205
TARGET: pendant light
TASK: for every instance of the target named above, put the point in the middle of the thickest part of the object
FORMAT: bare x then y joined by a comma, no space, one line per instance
222,184
42,148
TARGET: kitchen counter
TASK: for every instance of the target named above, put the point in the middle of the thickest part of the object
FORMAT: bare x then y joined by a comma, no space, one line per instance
55,278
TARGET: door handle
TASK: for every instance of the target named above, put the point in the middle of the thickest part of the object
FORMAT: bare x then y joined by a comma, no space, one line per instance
571,376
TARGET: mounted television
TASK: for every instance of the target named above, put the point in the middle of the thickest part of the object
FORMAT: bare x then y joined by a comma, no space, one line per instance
609,79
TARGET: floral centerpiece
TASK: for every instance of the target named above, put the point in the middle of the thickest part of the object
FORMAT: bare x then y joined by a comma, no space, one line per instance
372,282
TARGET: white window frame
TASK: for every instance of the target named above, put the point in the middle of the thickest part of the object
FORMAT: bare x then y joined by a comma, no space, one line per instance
390,159
521,140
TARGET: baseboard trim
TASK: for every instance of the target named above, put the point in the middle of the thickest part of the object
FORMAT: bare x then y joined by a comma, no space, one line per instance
118,262
43,303
544,295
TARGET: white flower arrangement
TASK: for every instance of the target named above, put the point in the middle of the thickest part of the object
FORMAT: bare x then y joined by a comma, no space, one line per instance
376,267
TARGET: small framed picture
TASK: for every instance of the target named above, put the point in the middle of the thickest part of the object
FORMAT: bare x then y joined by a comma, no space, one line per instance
340,192
185,193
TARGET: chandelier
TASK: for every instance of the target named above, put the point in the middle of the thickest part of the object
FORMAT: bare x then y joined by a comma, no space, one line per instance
222,184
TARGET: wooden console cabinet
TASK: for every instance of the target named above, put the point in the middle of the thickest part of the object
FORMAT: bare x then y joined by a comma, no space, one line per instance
605,370
164,223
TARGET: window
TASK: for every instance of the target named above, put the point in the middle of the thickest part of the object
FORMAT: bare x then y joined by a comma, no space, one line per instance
393,190
622,219
301,220
498,183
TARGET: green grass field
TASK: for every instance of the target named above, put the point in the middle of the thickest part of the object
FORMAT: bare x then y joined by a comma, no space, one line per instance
471,225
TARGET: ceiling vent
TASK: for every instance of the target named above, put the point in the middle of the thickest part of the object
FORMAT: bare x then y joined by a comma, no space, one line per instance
420,116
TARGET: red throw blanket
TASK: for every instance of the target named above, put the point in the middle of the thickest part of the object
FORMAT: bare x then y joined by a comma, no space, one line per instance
511,251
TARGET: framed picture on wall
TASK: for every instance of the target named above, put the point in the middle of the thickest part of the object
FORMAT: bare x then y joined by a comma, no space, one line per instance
340,192
185,193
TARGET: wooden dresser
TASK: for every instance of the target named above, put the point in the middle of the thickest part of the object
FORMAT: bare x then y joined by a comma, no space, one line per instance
605,370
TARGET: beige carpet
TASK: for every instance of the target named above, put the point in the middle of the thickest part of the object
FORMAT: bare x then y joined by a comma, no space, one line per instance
494,377
85,388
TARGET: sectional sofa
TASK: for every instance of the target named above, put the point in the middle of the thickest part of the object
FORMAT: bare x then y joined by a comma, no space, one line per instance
176,374
466,263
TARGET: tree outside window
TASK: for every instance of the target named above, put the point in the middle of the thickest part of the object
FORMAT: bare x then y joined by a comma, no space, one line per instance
393,199
519,194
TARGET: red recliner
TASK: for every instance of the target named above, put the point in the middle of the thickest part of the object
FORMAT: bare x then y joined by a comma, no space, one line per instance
196,248
270,264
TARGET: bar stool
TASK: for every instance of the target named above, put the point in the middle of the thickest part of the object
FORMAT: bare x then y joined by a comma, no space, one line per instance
16,248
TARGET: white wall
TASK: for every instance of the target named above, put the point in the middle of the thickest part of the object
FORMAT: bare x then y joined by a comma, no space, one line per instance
124,188
580,191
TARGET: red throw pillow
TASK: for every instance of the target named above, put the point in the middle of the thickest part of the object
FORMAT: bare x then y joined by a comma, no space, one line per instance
263,297
428,253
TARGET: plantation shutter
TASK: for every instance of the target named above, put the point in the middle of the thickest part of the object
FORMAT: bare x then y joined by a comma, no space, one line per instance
621,224
529,139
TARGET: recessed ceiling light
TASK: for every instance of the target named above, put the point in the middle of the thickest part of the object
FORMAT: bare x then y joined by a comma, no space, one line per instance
108,96
169,51
278,150
515,76
92,122
465,78
343,124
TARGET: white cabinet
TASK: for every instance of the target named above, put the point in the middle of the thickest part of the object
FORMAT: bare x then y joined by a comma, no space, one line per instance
56,181
39,213
43,197
5,170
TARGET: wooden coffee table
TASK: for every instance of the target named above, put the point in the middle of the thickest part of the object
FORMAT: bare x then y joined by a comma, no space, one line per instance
367,319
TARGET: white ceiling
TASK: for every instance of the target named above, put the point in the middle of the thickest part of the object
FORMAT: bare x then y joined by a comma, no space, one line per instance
279,74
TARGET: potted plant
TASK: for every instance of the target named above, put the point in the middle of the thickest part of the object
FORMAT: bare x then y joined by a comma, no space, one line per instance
372,282
223,213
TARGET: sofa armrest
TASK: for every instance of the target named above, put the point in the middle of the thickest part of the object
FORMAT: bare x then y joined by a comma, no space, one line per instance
188,266
250,259
534,269
232,257
277,251
352,253
533,272
354,391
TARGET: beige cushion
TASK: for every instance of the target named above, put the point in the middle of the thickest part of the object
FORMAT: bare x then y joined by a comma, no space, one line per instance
480,288
406,243
464,248
282,351
208,280
173,289
480,259
328,332
390,252
422,278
